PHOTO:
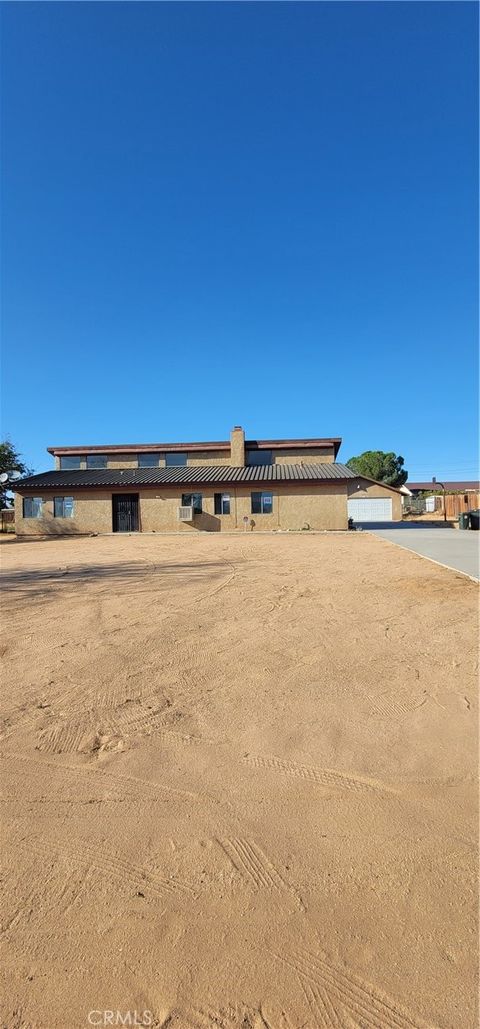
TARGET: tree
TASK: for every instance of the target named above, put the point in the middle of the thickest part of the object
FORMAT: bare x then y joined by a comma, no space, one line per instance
375,464
10,461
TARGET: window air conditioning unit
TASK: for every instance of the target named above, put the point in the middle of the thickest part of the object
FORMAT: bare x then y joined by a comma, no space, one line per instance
185,514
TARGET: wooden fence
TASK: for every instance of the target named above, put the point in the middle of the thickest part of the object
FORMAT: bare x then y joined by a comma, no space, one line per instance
7,521
456,503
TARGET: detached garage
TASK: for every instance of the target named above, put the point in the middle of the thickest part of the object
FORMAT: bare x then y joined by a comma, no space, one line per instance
370,509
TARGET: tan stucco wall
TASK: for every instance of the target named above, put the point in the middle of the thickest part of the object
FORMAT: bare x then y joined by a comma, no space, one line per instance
92,513
123,461
208,457
321,507
373,489
197,457
295,455
302,455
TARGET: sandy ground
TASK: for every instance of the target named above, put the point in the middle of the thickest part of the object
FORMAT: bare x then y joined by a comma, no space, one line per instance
238,784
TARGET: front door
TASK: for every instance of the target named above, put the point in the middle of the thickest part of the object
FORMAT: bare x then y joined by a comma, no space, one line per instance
125,512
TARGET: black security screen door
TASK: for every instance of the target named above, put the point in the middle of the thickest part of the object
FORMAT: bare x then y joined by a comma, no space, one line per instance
125,512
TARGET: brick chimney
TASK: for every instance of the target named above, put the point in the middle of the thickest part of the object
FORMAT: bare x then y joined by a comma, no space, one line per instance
237,447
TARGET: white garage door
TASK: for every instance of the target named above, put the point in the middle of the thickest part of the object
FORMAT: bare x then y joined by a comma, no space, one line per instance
370,509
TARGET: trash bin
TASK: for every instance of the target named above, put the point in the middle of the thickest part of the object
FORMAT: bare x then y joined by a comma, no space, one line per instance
464,520
475,519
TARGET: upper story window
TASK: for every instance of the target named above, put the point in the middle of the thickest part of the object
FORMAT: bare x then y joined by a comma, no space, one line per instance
96,460
148,460
262,503
71,461
259,457
63,507
222,503
32,507
175,459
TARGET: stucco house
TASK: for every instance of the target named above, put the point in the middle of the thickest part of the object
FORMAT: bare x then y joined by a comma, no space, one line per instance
231,485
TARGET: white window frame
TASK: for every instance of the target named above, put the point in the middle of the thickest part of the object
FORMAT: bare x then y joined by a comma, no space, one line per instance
39,509
71,513
225,498
262,494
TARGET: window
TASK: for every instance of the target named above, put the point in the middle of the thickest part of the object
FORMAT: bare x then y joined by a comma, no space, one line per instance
259,456
192,500
72,462
175,459
148,460
222,503
32,507
96,460
262,503
63,507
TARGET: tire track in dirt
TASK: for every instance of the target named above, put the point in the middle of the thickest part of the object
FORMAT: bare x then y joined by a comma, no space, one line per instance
252,864
389,707
140,789
111,866
221,585
319,776
255,868
66,739
23,718
52,895
119,786
86,736
127,871
210,1018
365,1004
74,696
323,1010
231,1016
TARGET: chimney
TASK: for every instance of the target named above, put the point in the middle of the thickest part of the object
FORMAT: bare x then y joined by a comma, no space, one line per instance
237,447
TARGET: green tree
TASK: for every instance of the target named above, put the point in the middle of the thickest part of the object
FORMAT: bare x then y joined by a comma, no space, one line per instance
375,464
10,461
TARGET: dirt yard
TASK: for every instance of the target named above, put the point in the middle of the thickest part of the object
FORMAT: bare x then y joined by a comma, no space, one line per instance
238,784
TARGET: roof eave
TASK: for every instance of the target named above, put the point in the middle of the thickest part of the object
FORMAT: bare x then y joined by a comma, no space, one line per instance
252,444
139,448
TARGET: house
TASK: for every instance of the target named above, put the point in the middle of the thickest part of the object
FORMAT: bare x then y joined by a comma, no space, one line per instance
231,485
460,496
450,487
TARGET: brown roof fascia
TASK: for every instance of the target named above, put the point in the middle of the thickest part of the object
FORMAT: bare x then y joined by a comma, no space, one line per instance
252,444
139,448
287,444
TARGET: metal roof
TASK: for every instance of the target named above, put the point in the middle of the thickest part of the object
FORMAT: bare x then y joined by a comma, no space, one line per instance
182,476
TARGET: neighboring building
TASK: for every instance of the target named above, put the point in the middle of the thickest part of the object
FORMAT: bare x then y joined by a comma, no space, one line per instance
450,487
230,485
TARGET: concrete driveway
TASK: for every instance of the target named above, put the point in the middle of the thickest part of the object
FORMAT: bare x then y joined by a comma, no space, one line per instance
454,548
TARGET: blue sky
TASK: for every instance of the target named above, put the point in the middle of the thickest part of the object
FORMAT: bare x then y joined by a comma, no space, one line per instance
261,214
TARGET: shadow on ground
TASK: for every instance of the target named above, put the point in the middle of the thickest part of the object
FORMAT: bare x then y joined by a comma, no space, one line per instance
405,525
45,582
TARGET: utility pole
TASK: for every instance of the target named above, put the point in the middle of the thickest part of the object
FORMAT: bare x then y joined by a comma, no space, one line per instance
435,483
